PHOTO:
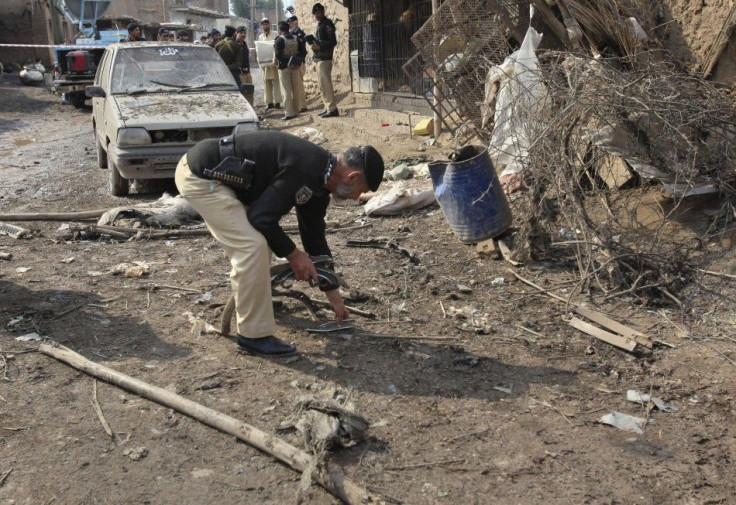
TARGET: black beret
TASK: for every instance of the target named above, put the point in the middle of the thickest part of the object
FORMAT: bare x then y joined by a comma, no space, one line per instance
372,166
241,28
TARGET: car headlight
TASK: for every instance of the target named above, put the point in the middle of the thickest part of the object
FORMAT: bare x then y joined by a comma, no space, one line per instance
133,137
245,127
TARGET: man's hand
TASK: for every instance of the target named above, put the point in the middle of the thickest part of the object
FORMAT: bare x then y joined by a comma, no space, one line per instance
338,305
302,265
316,47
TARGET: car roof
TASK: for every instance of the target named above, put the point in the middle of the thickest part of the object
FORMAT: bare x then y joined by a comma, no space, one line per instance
153,43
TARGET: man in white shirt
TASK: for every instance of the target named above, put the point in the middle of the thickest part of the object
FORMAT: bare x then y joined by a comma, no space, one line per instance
272,87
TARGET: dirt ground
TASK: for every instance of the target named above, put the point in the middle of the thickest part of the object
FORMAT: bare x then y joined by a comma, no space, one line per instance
499,407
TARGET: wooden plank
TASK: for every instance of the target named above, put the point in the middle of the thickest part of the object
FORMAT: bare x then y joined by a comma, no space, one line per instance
612,325
487,248
610,338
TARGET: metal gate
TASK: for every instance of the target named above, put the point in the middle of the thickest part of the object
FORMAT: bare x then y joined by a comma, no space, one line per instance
381,31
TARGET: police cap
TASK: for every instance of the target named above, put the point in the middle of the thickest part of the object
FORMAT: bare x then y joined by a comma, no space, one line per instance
372,166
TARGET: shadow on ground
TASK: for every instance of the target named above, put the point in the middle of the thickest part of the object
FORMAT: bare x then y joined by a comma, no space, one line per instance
78,320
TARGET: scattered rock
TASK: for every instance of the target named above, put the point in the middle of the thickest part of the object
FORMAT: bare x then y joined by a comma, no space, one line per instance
136,454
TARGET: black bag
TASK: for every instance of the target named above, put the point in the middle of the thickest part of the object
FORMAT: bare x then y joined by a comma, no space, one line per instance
232,171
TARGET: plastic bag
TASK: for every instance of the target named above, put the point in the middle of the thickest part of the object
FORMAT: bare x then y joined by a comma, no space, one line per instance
520,104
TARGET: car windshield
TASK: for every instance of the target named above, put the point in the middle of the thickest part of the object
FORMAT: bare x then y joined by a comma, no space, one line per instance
169,68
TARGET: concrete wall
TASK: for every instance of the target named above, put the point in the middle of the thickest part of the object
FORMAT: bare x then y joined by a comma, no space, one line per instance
341,60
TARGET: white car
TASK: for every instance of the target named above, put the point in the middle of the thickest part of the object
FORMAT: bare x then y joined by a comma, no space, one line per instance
152,101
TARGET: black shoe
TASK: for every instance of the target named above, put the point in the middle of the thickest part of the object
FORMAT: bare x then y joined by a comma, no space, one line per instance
270,106
265,346
286,118
277,106
332,113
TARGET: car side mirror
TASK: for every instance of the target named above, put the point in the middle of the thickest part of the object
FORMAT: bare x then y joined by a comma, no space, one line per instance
247,89
94,92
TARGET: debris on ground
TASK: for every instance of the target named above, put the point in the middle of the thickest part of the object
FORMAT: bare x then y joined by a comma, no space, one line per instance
136,454
166,212
624,422
399,199
131,270
326,421
638,397
29,337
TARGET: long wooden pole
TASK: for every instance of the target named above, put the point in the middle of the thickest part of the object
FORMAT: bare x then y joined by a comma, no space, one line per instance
54,216
332,481
437,91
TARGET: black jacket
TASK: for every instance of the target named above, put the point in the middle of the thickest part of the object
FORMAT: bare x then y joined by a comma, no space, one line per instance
326,39
289,173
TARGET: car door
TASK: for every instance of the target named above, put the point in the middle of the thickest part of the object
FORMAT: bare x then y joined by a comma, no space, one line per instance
98,104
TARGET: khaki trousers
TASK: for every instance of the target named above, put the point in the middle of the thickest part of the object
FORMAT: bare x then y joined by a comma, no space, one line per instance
302,95
324,71
272,90
250,257
291,87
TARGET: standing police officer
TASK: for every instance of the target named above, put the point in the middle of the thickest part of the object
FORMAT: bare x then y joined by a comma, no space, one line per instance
299,34
283,172
290,52
323,48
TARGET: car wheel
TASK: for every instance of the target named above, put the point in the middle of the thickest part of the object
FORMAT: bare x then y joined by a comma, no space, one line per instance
77,100
101,154
117,184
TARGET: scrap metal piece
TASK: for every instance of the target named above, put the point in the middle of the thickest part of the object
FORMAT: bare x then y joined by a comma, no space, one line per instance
13,231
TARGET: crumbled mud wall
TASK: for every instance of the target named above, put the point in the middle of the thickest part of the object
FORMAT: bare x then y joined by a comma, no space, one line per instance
689,28
23,22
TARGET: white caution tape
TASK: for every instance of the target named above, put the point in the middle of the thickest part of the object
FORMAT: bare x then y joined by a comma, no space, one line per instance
42,45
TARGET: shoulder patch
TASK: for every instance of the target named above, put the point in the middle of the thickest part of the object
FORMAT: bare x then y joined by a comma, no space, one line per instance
303,195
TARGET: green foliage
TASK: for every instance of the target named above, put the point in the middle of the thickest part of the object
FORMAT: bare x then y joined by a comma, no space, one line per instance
241,8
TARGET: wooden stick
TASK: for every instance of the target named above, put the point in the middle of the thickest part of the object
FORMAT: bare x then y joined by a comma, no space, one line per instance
2,480
717,274
352,310
332,481
56,216
406,337
98,410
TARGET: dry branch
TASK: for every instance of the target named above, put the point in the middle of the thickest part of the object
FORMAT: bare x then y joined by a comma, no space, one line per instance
332,481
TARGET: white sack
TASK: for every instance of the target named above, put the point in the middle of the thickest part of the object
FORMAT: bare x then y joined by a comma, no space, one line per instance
520,103
399,199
